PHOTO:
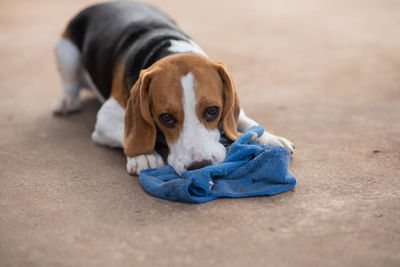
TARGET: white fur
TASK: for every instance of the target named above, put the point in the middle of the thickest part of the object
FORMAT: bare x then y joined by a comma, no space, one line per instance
267,138
109,128
68,60
185,47
195,142
244,122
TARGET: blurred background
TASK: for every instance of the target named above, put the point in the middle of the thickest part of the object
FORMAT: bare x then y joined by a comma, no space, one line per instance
324,74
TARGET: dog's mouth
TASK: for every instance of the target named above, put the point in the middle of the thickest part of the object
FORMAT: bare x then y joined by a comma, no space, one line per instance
197,154
181,167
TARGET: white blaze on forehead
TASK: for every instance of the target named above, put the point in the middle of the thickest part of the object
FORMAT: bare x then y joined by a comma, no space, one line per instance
189,103
195,142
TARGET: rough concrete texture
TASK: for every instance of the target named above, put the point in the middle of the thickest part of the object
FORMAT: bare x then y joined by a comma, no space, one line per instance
325,74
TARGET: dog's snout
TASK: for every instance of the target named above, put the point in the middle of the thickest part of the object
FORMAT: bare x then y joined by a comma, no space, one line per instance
198,164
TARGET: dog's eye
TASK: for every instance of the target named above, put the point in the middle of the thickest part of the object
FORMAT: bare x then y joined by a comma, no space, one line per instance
167,119
211,113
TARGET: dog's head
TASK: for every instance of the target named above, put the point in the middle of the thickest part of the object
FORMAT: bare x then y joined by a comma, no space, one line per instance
189,98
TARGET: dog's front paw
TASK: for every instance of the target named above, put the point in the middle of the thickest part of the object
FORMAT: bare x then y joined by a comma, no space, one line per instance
66,104
273,140
144,162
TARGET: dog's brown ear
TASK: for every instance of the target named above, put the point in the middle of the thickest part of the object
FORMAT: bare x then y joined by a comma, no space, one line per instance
140,130
230,112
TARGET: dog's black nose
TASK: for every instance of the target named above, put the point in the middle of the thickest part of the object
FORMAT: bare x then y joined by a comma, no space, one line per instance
198,164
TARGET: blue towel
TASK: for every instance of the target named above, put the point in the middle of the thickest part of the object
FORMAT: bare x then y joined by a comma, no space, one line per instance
249,169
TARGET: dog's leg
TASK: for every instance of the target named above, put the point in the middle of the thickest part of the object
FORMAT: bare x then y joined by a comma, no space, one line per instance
69,64
267,138
109,128
109,131
143,162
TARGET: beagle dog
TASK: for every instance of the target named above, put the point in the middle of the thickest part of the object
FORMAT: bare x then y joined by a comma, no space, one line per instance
157,88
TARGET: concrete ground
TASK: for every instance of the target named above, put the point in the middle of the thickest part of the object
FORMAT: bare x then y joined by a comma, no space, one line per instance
325,74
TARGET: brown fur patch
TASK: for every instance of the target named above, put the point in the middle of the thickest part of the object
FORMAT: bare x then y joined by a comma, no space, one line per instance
119,86
140,131
166,97
209,92
230,113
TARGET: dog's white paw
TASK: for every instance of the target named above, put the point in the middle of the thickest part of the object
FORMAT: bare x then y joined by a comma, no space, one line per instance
273,140
144,162
67,103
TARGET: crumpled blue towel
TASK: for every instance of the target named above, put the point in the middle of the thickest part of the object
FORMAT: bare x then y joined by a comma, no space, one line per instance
249,169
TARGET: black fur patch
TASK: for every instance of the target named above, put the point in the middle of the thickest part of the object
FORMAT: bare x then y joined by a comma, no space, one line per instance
105,32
